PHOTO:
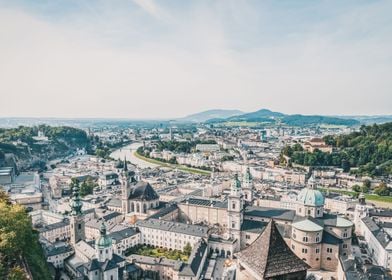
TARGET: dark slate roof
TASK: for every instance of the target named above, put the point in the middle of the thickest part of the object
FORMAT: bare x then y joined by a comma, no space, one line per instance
205,202
377,231
117,236
143,191
253,226
274,213
269,256
329,238
56,250
195,259
93,265
108,265
164,211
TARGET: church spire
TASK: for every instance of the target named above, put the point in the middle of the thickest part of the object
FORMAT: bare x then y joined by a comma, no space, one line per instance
76,204
125,164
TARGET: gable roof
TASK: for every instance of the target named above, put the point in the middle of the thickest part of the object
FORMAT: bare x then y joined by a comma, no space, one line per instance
269,256
143,191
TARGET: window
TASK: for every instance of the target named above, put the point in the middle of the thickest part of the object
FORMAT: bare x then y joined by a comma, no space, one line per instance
294,236
344,234
309,212
328,259
305,239
232,225
233,206
317,239
247,236
79,226
317,250
304,251
344,246
329,250
317,259
293,247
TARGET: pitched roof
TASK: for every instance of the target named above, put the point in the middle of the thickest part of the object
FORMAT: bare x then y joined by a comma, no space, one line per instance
269,256
144,191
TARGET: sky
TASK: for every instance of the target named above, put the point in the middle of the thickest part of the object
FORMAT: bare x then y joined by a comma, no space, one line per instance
149,59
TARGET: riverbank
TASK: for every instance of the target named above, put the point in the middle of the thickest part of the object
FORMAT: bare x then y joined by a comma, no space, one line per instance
173,166
381,201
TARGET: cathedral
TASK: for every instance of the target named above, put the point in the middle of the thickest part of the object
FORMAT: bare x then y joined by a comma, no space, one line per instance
316,237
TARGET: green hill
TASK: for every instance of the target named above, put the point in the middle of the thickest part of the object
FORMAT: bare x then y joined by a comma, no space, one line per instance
368,151
20,144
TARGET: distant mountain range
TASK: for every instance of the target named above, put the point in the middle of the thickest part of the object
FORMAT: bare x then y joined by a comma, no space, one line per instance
211,114
268,116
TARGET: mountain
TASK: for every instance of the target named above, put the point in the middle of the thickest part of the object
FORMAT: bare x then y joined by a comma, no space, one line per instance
268,116
211,114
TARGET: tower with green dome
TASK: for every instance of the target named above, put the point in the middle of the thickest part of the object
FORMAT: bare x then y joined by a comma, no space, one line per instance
103,245
235,211
247,186
77,219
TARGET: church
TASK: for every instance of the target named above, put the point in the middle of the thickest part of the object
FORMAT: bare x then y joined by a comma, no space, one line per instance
138,198
94,259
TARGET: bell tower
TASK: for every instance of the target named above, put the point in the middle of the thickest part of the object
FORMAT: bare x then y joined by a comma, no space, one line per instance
125,189
247,186
235,211
77,218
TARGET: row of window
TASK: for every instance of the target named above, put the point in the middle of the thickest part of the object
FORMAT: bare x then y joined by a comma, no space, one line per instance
305,250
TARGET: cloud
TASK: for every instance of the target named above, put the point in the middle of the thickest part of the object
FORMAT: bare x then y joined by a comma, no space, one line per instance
118,62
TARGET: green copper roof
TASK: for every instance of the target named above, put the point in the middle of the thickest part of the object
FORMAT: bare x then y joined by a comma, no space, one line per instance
236,184
103,241
76,205
247,176
311,197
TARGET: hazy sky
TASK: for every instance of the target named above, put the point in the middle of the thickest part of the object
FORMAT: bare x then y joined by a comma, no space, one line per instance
164,59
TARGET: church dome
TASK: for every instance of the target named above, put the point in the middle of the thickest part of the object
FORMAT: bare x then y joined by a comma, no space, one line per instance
103,241
311,197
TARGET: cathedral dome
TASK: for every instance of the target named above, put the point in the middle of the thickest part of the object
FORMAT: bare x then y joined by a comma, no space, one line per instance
311,197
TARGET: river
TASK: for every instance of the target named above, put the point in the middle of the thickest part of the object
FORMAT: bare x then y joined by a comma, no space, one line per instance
128,152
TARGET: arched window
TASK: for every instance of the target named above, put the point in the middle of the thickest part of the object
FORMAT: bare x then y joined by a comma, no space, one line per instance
144,208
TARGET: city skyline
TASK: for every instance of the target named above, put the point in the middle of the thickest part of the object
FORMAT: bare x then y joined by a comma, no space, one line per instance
160,60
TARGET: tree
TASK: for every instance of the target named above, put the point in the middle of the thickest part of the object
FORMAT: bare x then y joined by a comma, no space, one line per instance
366,186
188,249
87,187
356,188
382,189
17,273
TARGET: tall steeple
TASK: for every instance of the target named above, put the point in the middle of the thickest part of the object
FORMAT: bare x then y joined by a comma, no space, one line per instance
235,211
125,188
77,218
247,186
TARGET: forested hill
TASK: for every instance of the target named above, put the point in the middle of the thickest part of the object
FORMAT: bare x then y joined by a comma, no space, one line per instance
20,252
368,151
20,145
